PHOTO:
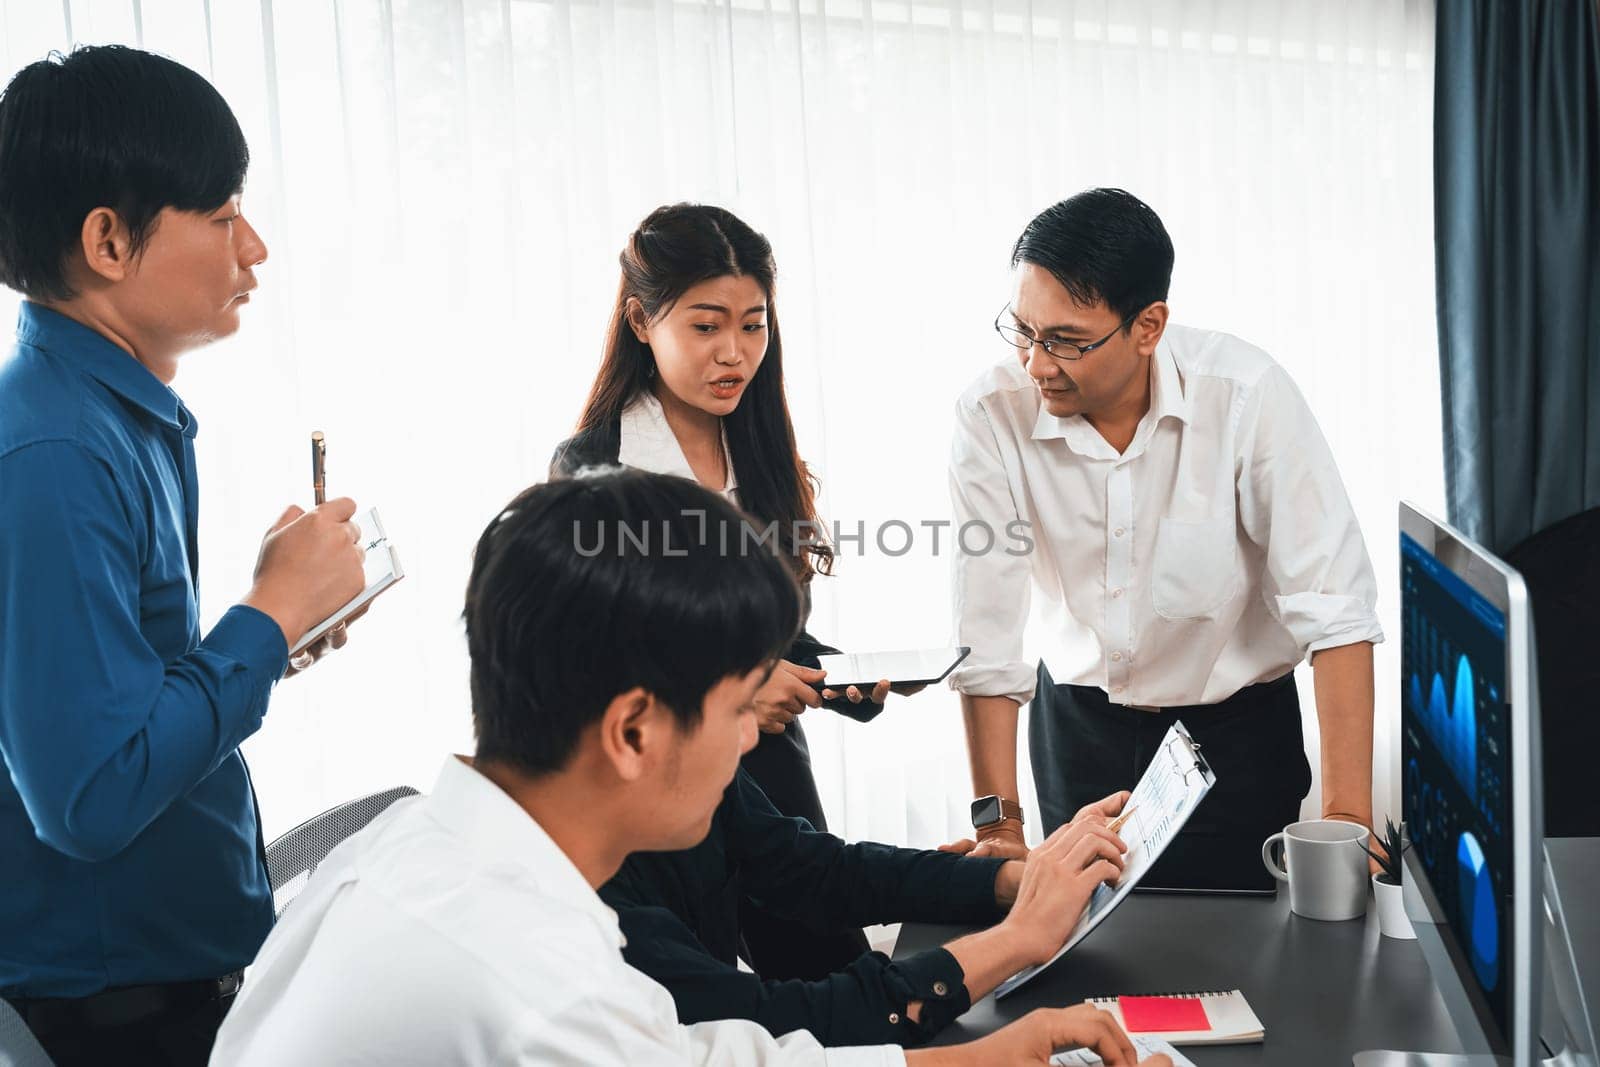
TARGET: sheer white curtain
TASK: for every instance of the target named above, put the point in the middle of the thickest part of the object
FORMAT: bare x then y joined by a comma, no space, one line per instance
444,186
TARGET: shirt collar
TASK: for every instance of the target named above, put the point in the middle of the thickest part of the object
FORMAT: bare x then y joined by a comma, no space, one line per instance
498,830
112,367
1168,397
648,443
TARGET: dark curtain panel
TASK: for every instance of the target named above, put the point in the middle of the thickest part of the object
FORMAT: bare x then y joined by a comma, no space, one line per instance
1517,223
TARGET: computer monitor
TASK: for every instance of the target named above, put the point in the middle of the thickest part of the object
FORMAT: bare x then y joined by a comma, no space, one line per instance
1470,760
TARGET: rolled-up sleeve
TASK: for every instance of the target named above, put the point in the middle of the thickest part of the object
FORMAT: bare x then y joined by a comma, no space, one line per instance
1293,505
991,591
99,734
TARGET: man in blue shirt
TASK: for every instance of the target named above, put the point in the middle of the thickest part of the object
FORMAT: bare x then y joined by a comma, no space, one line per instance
133,887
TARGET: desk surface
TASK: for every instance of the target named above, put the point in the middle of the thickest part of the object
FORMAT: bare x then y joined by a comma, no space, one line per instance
1324,991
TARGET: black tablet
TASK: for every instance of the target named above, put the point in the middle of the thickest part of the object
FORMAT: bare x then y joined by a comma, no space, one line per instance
921,666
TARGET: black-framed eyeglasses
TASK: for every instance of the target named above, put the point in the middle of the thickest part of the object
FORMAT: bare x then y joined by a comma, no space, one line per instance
1054,347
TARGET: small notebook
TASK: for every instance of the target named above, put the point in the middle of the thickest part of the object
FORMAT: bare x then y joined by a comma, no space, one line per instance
382,570
1212,1018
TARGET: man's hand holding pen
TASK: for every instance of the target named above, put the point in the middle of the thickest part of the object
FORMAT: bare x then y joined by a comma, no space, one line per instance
311,565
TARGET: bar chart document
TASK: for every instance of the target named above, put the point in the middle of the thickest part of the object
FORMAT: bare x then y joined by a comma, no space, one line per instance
1172,787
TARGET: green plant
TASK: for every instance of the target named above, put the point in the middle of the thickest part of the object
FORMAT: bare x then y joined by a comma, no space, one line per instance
1394,846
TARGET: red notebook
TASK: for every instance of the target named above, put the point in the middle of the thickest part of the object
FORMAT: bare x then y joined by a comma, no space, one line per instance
1159,1015
1219,1018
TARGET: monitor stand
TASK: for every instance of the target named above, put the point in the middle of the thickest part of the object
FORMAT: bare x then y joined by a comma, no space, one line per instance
1571,1004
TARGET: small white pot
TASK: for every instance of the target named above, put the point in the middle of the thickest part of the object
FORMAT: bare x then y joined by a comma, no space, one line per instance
1392,919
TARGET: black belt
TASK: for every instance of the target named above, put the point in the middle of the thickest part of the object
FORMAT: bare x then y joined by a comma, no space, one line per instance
122,1006
1249,694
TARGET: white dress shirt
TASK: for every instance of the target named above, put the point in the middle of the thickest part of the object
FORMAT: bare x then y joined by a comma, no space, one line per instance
453,930
648,444
1214,553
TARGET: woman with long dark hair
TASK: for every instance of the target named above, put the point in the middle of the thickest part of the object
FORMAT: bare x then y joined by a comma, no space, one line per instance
691,383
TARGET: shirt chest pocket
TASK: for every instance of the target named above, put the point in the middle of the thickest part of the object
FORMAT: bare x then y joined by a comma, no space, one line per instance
1196,567
166,599
167,606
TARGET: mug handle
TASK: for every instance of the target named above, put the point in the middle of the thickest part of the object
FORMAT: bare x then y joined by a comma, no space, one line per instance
1266,857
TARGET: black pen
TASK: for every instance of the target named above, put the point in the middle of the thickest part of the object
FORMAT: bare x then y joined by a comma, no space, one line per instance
319,459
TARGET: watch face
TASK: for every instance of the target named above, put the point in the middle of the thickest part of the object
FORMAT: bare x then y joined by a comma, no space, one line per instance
985,810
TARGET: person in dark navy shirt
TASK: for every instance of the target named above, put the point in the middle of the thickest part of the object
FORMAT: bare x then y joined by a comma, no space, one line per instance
679,912
133,887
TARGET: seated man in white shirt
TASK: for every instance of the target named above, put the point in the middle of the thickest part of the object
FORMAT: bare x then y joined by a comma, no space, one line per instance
611,695
1191,542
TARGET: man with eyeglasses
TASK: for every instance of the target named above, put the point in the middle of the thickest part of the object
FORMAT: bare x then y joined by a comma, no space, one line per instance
1192,542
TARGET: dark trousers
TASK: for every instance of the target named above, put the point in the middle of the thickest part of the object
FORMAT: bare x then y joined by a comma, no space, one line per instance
780,948
92,1032
1084,747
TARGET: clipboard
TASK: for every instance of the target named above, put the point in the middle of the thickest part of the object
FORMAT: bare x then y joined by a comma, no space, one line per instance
382,568
1174,784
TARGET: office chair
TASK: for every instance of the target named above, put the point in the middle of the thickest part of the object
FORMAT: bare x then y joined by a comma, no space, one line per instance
292,857
18,1046
1561,566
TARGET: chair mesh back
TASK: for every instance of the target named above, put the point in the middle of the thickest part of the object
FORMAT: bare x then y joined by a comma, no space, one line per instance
18,1046
292,857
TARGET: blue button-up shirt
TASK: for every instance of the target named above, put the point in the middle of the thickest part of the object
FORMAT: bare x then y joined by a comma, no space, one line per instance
130,848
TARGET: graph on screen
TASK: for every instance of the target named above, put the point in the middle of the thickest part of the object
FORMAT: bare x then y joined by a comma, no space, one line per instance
1454,738
1450,714
1476,890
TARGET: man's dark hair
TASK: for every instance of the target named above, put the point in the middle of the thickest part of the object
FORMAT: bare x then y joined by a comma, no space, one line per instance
588,587
1103,244
105,126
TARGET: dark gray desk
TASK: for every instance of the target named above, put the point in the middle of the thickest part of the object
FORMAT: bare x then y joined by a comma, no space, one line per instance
1324,991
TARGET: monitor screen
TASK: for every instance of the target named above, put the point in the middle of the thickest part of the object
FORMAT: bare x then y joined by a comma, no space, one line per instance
1456,738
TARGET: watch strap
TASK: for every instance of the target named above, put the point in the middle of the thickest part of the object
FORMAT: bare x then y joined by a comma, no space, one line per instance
1009,810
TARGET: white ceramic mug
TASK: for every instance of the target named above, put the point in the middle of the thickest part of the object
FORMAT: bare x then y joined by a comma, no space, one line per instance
1325,867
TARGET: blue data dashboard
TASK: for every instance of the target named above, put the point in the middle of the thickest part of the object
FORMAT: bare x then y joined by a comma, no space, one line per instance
1455,739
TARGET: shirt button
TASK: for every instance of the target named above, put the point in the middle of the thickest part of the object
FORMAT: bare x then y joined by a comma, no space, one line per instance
940,989
1116,657
1120,688
1116,594
1119,531
894,1018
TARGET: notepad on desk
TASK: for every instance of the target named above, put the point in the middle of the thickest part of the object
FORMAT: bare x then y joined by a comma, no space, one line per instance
382,570
1214,1018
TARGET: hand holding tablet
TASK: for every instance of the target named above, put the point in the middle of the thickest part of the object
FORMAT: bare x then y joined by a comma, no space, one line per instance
902,670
